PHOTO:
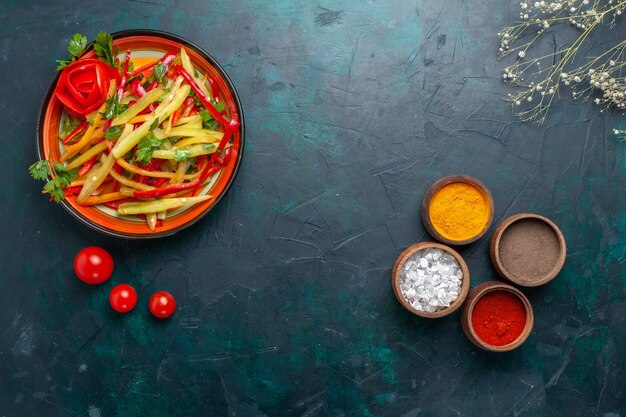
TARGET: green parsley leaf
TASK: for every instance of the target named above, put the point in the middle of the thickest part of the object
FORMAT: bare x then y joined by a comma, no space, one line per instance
113,133
75,49
206,116
181,155
146,146
113,107
103,45
159,71
208,146
39,170
54,188
207,120
64,175
77,45
62,64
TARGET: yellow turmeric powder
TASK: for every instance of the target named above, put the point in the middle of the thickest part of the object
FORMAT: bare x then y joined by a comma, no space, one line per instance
459,211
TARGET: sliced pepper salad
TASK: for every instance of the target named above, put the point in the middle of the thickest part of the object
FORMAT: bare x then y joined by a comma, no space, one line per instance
141,141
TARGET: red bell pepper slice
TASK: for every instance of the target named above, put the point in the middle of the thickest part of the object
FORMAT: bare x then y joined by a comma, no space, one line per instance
176,116
87,166
230,127
139,91
69,191
188,104
203,98
75,132
214,89
168,189
137,88
157,182
208,170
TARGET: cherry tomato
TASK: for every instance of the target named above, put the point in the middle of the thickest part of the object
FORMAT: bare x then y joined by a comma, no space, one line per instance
123,298
93,265
162,304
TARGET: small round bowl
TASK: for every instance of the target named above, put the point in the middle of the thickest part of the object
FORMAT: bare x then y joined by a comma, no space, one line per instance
425,212
466,315
146,44
544,242
404,256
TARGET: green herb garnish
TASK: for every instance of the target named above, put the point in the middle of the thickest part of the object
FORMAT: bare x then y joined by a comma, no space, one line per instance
146,146
207,120
39,170
113,107
75,49
103,45
113,133
62,177
159,72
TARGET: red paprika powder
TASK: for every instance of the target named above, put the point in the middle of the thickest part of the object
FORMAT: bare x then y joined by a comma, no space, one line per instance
498,318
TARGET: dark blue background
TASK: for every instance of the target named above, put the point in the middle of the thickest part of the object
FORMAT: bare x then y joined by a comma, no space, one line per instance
285,306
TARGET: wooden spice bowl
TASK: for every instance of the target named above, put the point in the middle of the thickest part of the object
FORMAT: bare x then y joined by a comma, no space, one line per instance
404,256
466,315
438,185
531,261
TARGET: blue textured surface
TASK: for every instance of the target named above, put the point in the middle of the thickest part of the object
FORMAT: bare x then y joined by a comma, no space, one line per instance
285,305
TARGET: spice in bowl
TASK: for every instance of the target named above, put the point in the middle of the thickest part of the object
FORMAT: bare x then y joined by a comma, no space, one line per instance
528,249
430,280
457,209
498,318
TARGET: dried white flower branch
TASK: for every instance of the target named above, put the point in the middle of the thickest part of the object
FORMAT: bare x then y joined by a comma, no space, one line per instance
539,78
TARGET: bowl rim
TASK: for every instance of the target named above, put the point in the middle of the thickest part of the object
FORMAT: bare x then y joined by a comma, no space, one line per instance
211,61
400,261
494,250
438,185
476,294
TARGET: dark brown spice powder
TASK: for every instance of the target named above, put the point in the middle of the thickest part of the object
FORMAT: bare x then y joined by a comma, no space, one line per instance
529,249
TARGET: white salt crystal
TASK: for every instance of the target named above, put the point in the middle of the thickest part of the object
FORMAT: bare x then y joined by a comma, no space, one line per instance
446,257
430,280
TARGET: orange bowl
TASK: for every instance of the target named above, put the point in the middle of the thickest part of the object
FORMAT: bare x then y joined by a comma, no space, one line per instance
147,44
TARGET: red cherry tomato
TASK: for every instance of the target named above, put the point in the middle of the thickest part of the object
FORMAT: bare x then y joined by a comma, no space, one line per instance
93,265
123,298
162,304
